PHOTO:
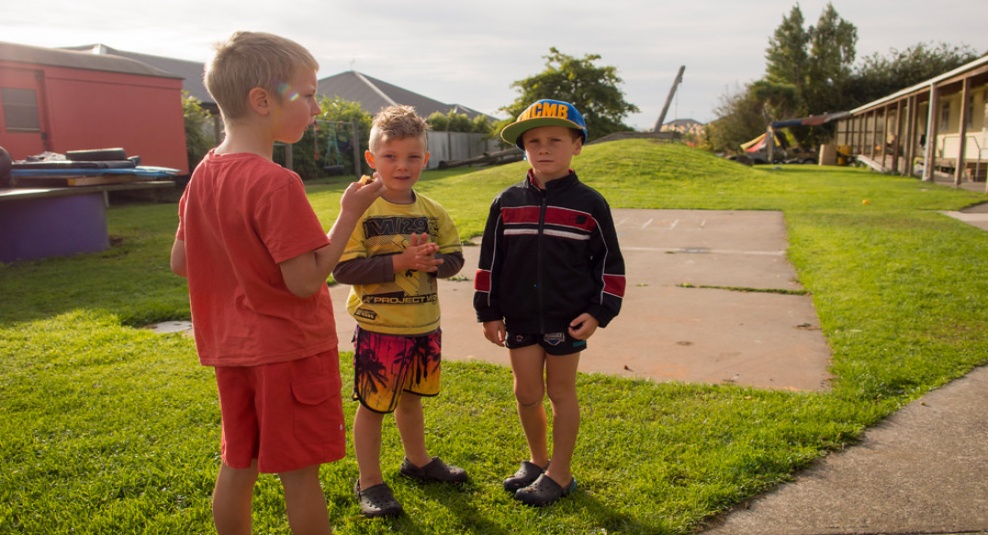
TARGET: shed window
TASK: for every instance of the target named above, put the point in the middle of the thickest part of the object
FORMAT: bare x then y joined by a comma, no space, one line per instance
20,109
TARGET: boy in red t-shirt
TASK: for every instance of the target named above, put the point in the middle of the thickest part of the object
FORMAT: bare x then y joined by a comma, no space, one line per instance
257,260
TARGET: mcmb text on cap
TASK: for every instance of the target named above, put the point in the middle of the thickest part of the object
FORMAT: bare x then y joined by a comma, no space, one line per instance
545,112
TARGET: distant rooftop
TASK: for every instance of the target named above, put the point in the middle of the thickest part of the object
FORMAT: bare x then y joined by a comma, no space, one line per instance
684,122
78,60
374,94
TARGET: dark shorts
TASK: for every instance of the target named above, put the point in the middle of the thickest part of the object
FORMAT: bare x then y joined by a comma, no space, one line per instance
553,343
385,365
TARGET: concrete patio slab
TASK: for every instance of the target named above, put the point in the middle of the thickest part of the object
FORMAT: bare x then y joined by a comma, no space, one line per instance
712,332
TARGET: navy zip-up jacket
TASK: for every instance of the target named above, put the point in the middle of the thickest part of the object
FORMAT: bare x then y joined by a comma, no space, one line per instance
548,256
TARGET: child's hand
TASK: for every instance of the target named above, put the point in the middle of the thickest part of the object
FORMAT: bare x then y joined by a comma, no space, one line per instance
420,255
495,332
358,196
583,326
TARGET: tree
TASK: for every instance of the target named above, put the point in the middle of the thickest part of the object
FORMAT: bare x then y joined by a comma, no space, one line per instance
779,101
807,72
810,72
878,76
816,62
459,122
482,125
450,122
579,81
438,122
787,58
741,117
198,128
347,112
832,50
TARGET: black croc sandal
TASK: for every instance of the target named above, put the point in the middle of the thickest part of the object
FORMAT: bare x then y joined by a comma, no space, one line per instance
377,500
436,470
525,476
544,491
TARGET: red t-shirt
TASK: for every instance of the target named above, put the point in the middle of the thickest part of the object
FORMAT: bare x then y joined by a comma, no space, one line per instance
240,216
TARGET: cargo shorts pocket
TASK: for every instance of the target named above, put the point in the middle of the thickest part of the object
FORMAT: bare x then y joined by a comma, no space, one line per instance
318,412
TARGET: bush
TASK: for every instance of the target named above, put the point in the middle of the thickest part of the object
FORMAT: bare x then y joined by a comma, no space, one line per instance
198,129
458,122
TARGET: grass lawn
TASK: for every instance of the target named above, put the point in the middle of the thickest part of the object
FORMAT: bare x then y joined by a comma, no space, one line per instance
106,427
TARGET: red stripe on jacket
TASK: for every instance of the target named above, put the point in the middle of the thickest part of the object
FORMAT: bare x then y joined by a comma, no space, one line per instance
613,284
482,280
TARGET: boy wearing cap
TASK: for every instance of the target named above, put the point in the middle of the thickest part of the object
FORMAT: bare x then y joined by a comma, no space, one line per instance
550,273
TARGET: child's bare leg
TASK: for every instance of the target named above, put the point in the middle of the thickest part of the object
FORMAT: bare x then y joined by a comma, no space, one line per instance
305,502
367,445
232,497
561,385
527,364
411,427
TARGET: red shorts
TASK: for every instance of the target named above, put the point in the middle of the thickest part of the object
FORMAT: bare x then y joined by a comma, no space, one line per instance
287,415
385,365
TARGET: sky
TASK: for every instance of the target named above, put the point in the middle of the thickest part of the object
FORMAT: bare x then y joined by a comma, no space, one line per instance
469,53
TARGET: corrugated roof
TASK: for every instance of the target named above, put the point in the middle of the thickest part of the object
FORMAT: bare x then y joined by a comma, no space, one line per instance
77,60
374,94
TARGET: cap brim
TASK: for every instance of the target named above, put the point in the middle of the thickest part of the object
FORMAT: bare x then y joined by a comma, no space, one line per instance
513,131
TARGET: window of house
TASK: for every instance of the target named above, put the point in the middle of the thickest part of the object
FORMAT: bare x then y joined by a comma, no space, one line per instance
20,109
944,116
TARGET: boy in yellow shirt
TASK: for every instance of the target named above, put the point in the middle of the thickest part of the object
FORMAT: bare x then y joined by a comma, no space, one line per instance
403,243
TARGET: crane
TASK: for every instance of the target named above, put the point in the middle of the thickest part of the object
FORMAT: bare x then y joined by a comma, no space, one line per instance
665,108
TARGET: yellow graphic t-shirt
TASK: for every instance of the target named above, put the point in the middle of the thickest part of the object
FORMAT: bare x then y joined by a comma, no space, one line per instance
409,305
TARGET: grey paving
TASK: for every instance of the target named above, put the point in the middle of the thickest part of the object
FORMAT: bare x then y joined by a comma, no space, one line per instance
922,471
684,316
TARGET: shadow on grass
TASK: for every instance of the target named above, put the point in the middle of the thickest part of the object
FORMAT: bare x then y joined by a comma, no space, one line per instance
611,521
510,516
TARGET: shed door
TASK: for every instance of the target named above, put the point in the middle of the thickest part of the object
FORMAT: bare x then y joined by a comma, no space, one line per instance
23,123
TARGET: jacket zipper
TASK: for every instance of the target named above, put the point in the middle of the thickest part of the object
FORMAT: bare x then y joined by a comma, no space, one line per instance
539,274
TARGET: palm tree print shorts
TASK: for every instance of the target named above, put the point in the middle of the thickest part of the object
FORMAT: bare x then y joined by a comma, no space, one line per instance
385,365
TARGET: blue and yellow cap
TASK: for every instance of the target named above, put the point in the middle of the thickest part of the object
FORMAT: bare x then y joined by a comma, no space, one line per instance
545,112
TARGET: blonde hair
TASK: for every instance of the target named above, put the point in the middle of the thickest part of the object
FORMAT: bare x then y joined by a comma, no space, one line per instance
397,122
253,59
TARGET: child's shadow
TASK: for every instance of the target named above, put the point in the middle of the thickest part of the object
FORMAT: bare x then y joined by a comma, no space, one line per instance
462,505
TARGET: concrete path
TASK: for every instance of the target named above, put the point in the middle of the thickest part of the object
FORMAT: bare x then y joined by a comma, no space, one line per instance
922,471
976,216
667,332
